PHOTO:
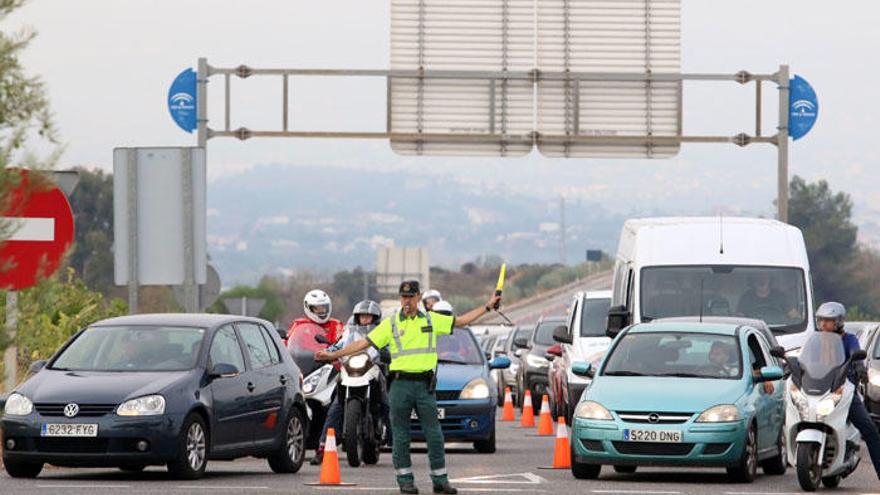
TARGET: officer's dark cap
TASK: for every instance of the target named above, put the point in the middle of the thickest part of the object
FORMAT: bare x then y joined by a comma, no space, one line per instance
409,288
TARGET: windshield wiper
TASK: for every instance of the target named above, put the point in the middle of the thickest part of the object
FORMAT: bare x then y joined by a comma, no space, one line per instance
450,361
685,375
624,373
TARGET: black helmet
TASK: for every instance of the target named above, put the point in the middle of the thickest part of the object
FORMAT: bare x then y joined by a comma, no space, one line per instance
832,311
367,307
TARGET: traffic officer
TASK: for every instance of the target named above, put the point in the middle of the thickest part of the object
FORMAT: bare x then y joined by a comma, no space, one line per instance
411,337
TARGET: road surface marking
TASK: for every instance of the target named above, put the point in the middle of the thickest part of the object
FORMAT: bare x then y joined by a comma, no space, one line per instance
31,229
82,486
645,492
519,479
203,487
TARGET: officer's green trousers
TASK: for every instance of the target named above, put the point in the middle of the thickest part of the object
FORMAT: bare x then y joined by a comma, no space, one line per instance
404,397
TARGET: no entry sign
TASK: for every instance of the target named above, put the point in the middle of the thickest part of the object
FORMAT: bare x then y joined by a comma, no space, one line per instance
42,229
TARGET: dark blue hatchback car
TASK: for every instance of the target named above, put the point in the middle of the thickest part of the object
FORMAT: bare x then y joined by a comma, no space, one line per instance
169,389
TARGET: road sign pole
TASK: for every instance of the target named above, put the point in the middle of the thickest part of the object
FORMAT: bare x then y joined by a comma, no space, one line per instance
10,357
132,186
783,79
189,275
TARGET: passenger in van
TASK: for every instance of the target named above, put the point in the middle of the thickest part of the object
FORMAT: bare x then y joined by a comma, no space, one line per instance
764,302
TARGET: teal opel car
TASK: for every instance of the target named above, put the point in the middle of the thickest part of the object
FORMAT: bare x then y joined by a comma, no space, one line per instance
682,394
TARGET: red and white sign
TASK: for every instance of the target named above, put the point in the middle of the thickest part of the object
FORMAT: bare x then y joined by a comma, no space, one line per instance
42,226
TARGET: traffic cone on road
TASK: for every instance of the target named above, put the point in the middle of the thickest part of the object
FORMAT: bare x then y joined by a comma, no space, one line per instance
545,421
507,412
330,464
562,454
528,414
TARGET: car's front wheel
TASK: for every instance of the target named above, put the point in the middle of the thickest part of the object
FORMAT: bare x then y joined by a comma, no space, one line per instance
290,454
22,469
583,471
486,446
746,469
192,449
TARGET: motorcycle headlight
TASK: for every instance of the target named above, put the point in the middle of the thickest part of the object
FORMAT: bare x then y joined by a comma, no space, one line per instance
724,413
592,410
311,382
150,405
18,405
477,388
537,361
874,377
358,361
828,403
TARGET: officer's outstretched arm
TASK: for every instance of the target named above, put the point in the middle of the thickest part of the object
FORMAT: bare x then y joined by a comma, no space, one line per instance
474,314
348,350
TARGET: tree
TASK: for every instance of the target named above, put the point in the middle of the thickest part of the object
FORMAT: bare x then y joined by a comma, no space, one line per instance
267,289
24,110
92,204
825,218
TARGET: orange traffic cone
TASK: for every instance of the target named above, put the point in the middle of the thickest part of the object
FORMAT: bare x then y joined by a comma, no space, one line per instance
562,454
528,414
545,421
507,412
330,464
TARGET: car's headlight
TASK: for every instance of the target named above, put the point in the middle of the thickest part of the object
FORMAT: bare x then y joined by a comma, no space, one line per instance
475,389
358,361
874,377
592,410
724,413
150,405
537,361
18,405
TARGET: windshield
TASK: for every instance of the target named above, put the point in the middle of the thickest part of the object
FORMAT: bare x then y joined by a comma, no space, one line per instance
544,333
135,348
459,347
775,295
302,346
821,354
693,355
594,317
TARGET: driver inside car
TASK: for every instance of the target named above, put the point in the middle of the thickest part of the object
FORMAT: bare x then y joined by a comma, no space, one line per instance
764,302
721,357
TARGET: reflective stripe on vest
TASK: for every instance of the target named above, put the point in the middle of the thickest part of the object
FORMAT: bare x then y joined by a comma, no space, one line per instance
411,352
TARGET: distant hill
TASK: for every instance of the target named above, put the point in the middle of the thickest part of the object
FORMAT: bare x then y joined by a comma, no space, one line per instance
277,218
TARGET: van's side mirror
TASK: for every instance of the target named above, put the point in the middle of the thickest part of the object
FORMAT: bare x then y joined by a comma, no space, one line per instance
860,355
223,370
521,342
618,319
36,366
778,352
560,334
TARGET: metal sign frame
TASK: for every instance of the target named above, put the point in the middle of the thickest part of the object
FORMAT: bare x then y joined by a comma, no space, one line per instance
496,132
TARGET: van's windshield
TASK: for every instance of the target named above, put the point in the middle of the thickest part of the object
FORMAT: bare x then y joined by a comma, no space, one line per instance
773,294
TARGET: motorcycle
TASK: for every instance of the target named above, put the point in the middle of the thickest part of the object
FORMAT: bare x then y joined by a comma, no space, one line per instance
361,390
820,443
319,384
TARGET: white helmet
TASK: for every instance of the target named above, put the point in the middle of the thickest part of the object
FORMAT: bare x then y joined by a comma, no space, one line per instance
443,307
317,306
433,293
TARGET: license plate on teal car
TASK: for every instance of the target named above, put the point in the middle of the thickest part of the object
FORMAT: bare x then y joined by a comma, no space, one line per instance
654,436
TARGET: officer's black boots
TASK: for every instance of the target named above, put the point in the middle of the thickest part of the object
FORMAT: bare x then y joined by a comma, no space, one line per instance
318,459
409,488
445,489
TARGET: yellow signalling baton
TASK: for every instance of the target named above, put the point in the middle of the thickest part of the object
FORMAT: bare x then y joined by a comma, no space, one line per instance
500,287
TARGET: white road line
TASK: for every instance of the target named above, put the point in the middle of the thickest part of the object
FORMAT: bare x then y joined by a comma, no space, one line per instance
31,229
83,486
644,492
394,488
203,487
511,479
766,493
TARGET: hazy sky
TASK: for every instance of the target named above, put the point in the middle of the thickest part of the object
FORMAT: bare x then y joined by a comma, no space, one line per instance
108,64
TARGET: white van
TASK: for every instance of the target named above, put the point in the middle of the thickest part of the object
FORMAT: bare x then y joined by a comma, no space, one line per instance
713,266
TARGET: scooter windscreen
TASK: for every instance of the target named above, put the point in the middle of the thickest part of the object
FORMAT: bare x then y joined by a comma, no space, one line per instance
302,347
820,363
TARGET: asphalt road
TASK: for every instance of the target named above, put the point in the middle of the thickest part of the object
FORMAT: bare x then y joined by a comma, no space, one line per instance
512,469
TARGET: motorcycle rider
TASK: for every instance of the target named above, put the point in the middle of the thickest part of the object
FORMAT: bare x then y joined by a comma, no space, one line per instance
830,318
430,298
317,307
365,316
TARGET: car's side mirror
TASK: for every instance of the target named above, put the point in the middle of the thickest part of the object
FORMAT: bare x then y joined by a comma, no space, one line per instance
618,319
521,342
860,355
769,374
518,352
560,334
778,352
553,352
223,370
499,363
322,339
36,366
583,369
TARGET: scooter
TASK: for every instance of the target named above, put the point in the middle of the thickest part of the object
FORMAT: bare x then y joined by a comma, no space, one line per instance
820,443
362,389
318,389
